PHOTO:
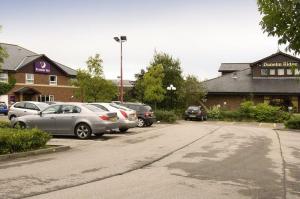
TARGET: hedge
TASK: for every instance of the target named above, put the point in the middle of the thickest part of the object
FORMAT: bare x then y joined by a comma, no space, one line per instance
4,124
165,116
248,111
20,140
293,123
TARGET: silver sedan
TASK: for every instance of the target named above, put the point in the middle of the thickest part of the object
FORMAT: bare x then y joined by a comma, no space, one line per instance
83,120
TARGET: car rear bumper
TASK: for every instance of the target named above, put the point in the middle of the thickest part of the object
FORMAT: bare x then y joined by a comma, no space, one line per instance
4,111
104,127
127,124
150,120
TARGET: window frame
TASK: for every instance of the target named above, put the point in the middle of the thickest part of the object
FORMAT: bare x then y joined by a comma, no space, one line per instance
5,79
27,80
281,69
53,83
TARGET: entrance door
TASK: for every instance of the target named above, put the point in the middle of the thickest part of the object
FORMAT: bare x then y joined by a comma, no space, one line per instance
27,97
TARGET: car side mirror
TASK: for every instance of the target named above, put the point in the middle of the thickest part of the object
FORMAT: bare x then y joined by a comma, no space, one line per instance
41,113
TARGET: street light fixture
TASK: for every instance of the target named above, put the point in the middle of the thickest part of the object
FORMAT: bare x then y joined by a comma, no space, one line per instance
121,39
171,88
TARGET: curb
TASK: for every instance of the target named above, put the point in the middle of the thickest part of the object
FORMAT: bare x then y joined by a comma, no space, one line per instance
284,129
51,149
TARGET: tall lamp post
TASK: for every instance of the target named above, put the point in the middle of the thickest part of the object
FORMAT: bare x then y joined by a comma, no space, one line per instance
121,39
171,88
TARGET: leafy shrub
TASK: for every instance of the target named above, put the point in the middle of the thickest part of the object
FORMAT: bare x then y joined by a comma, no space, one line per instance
166,116
214,113
247,109
4,124
19,140
268,113
231,115
293,123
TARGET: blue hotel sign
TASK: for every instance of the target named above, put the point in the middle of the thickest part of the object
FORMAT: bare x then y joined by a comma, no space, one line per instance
42,67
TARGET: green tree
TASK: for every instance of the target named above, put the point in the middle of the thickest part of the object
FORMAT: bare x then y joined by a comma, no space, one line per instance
3,54
172,75
281,18
153,81
194,91
91,84
5,87
137,92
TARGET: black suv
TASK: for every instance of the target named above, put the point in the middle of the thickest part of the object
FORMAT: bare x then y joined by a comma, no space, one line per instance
195,112
144,113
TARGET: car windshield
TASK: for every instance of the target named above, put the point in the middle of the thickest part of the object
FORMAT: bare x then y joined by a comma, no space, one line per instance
2,104
93,108
147,108
193,108
119,107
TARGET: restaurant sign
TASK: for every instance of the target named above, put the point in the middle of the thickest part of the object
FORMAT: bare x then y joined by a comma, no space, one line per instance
42,67
278,64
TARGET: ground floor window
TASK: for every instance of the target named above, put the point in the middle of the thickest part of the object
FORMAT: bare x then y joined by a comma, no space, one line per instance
46,98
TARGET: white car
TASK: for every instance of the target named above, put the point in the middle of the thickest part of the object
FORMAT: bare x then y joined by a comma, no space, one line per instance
126,117
26,108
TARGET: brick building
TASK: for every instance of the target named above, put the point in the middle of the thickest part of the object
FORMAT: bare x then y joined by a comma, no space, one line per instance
38,78
270,80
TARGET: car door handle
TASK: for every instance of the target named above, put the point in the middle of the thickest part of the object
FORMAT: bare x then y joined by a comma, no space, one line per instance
52,118
25,111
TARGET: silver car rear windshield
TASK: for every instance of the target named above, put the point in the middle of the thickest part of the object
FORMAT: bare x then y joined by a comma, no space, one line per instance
93,108
119,107
42,106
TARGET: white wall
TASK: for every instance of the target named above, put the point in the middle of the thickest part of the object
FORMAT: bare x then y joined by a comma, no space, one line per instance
4,98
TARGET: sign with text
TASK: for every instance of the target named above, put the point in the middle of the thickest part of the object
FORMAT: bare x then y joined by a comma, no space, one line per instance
42,67
276,64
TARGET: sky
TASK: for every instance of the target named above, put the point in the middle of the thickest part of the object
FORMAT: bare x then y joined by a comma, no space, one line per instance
200,33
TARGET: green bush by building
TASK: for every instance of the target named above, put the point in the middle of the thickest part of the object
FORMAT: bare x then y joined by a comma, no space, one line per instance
248,111
293,123
166,116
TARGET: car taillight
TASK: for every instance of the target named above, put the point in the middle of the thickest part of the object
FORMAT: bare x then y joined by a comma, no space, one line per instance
104,117
124,114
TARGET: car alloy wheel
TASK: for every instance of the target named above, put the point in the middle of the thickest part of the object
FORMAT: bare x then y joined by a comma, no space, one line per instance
83,131
141,122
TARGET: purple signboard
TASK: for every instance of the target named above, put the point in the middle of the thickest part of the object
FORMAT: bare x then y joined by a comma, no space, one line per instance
42,67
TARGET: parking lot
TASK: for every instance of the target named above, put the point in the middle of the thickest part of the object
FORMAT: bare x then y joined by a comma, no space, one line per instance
185,160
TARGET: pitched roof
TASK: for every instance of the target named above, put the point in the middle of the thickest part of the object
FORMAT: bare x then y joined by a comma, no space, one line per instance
244,83
19,57
276,54
230,67
126,83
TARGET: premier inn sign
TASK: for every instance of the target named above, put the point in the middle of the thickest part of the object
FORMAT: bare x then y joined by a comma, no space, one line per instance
42,67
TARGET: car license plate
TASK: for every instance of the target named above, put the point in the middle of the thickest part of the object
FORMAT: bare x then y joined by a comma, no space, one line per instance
192,115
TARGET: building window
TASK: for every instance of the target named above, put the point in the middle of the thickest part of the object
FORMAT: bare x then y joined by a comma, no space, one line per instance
280,71
297,71
4,77
29,78
272,72
289,72
53,80
264,72
46,98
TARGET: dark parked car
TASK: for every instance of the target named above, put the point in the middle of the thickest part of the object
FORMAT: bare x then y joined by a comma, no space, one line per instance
195,113
3,108
144,113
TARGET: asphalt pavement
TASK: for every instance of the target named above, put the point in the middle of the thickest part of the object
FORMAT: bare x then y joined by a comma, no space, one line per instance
186,160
